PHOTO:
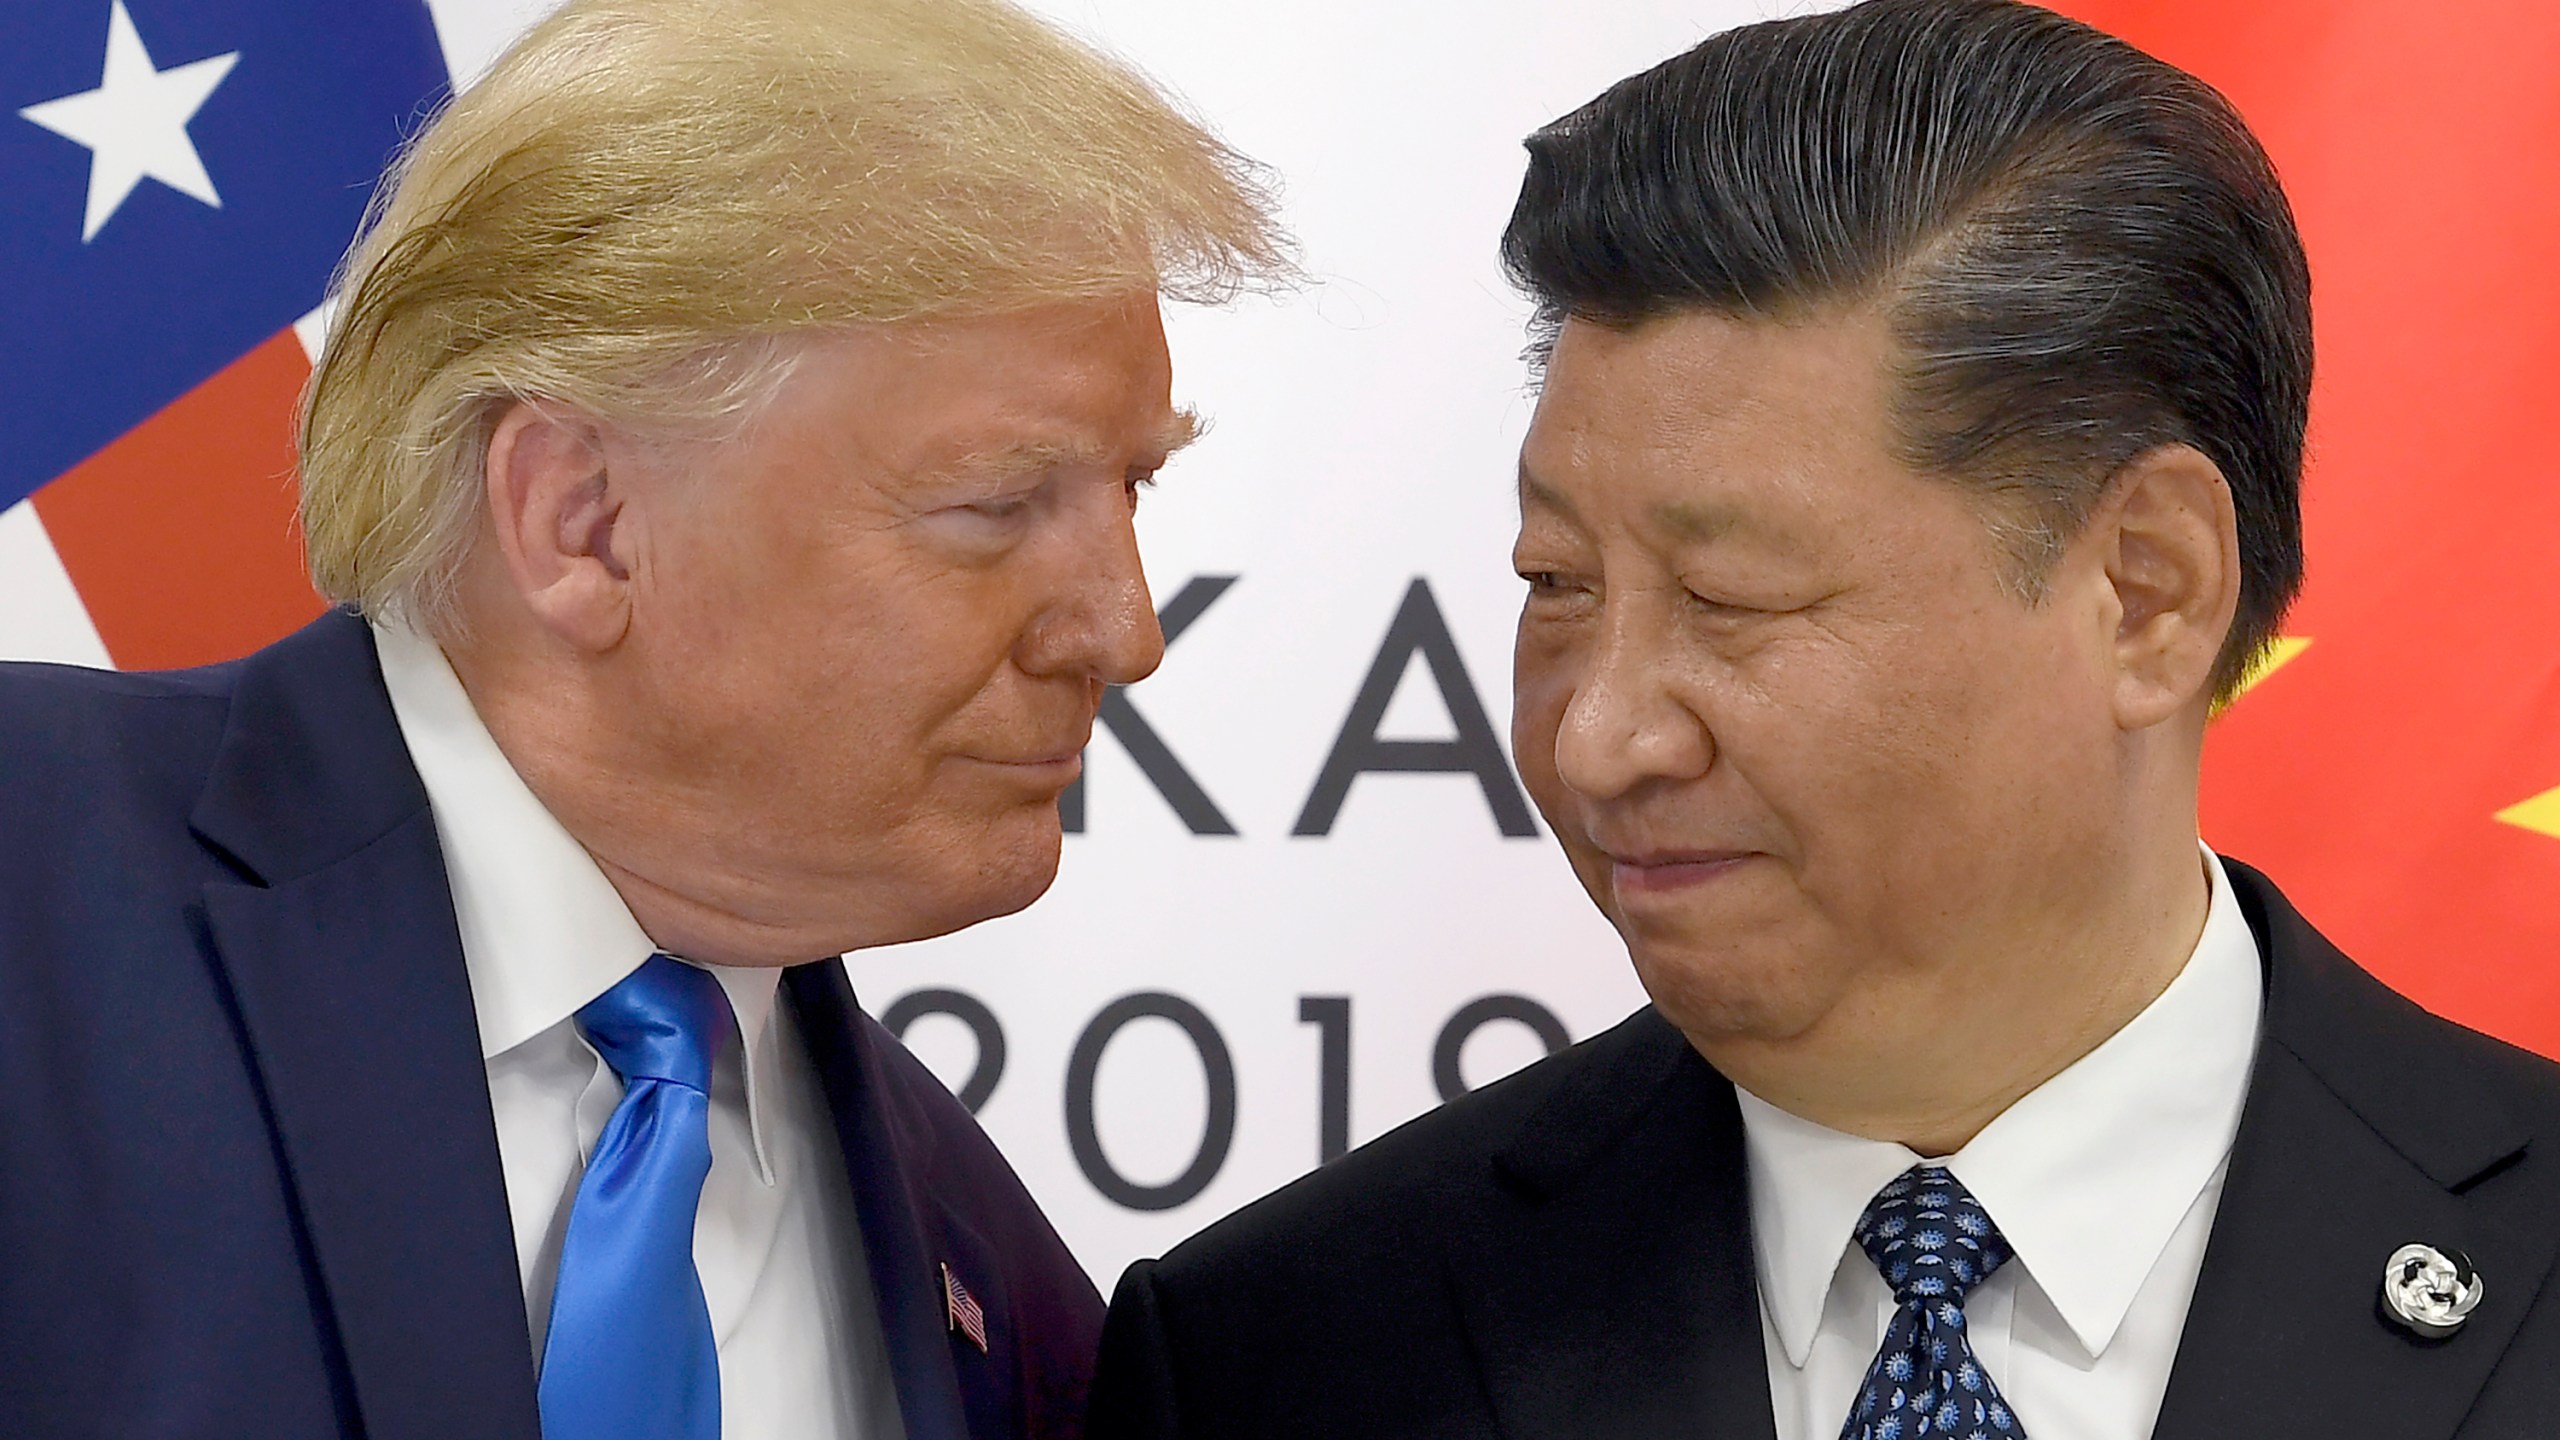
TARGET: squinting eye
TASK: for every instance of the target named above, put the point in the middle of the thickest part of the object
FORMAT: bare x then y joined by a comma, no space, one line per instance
1541,579
1004,509
1140,480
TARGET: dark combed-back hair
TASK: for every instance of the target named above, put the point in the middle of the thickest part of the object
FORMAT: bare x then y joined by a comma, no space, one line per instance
2082,252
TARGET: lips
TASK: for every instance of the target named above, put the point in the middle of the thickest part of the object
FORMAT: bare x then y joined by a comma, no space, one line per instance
1032,753
1658,872
1035,762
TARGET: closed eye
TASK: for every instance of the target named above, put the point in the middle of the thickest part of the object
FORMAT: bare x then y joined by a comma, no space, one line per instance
1736,610
1724,607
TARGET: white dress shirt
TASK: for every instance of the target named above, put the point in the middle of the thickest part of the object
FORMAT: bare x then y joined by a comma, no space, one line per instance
2104,1179
543,932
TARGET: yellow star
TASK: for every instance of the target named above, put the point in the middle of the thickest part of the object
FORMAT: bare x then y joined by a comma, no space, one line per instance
2541,814
2279,653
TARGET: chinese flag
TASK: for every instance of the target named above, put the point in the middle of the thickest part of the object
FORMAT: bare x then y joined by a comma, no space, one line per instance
2398,771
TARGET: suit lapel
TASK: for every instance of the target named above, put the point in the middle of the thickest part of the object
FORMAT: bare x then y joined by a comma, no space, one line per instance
2362,1132
339,949
884,1160
987,1392
1588,1317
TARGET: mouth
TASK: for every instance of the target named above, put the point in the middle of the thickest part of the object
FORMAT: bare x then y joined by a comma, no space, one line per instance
1069,759
1055,770
1664,872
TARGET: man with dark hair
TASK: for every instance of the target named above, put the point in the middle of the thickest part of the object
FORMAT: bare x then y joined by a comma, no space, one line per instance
1915,469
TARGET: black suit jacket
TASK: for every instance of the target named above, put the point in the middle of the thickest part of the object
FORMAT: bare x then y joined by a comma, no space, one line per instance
1568,1253
249,1181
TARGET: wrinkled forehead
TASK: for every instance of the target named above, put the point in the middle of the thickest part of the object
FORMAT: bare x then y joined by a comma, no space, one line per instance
984,398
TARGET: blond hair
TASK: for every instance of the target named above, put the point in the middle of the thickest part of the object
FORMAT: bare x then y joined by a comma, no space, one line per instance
646,200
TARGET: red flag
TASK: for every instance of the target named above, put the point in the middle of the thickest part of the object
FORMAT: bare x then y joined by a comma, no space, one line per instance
2399,773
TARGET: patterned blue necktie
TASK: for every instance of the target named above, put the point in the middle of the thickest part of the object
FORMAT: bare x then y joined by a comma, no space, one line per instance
630,1354
1933,1243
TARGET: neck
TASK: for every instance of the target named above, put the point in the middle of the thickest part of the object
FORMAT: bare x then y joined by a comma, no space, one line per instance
559,739
1929,1057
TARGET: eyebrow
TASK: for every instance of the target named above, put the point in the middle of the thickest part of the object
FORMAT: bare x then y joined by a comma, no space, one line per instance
1690,522
1537,493
1004,461
1698,523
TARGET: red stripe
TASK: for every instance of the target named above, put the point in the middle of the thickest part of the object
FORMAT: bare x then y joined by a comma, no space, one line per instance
181,537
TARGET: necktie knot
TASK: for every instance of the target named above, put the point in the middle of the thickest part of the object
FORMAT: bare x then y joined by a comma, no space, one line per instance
664,1021
1930,1239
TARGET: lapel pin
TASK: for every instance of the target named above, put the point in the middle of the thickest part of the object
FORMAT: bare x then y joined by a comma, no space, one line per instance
970,1319
2429,1291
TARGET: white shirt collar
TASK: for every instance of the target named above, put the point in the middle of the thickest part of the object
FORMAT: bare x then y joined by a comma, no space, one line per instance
2087,1176
543,930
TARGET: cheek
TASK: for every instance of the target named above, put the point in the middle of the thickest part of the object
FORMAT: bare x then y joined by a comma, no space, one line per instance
1971,734
835,682
1541,688
890,625
1543,679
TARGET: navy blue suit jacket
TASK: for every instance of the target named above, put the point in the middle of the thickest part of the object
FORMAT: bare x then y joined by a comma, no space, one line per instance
249,1182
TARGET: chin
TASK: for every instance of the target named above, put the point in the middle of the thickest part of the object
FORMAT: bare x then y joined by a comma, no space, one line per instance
1014,892
1726,989
1015,863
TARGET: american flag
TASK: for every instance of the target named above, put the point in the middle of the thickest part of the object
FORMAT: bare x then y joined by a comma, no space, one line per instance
177,181
966,1316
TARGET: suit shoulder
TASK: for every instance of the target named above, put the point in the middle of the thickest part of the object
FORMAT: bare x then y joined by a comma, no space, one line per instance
86,738
2445,1095
28,686
1415,1178
2346,1019
2529,1081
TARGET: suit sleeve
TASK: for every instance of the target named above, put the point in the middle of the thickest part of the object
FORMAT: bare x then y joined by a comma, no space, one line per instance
1133,1389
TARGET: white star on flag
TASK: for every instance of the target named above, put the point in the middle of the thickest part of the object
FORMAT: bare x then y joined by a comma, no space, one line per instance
135,122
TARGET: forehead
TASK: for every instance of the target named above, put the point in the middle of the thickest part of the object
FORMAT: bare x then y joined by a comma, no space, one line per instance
1081,383
1708,422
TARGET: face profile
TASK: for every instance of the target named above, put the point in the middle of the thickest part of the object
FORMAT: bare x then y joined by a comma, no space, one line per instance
871,631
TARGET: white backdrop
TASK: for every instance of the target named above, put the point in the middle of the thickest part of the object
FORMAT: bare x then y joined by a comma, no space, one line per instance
1365,435
1362,442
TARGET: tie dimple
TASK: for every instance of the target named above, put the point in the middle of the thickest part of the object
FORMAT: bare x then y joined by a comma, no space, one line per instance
1933,1243
631,1354
665,1021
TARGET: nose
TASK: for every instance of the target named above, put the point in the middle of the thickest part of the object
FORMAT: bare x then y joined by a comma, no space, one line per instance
1101,621
1625,722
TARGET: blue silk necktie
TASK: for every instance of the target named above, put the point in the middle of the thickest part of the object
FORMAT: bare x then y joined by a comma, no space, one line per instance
630,1354
1933,1243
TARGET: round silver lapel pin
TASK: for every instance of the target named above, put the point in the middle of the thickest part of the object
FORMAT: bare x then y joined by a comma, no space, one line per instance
2429,1291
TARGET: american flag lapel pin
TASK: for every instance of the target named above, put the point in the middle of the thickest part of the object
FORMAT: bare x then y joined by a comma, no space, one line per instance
962,1307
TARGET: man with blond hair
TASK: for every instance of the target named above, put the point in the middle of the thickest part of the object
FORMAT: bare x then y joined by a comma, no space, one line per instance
723,461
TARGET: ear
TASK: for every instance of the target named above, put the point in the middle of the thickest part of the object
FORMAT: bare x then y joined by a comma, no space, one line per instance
2172,560
562,524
